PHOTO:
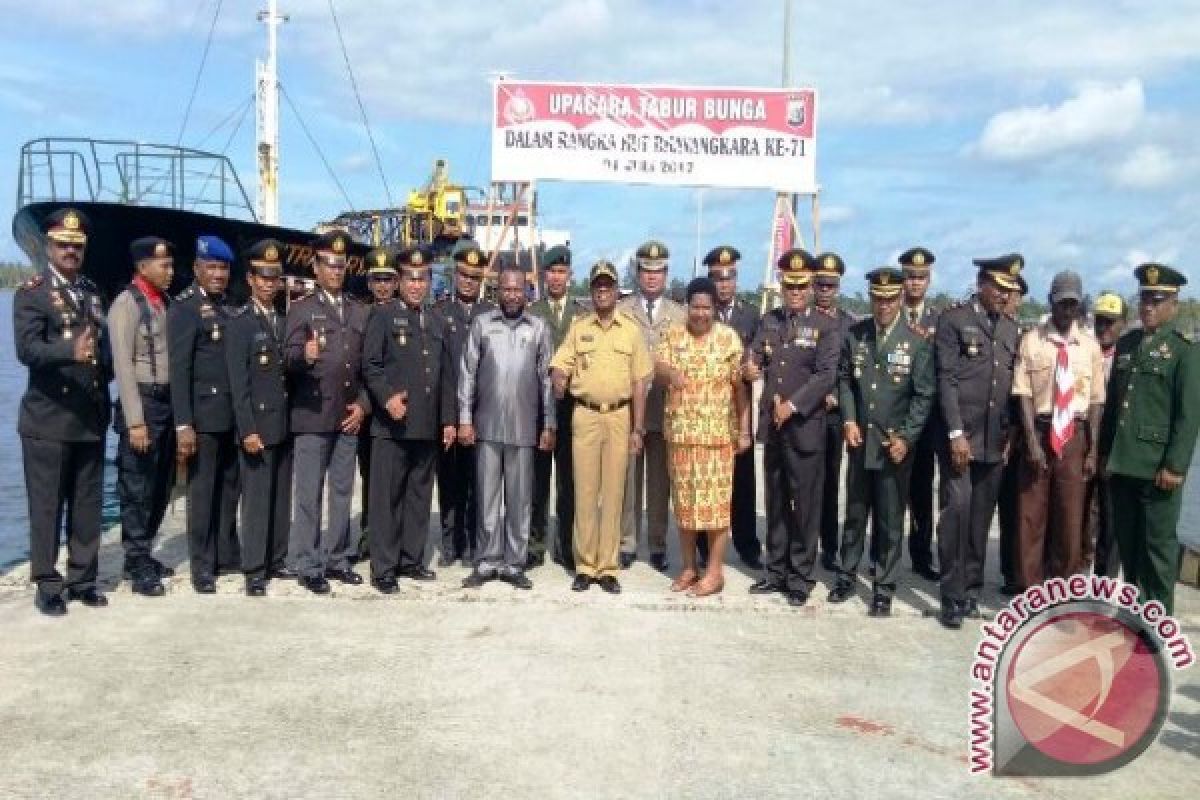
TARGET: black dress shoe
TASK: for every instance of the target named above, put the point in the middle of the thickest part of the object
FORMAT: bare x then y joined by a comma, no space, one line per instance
765,586
927,572
797,598
148,585
659,562
609,584
949,616
315,584
829,562
581,583
533,560
89,597
1010,589
256,587
970,609
517,580
753,562
129,570
52,605
881,606
627,560
204,584
419,573
346,576
386,584
283,573
842,591
475,580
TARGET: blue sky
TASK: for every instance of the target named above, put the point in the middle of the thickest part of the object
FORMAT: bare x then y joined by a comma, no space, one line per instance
1062,130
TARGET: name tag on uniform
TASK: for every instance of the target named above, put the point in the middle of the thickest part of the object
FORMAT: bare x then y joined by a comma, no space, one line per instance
806,337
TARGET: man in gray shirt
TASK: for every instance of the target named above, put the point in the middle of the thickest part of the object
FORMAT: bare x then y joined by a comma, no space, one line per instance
506,404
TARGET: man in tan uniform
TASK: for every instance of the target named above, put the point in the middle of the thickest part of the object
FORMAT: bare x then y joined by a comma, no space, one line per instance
604,363
653,312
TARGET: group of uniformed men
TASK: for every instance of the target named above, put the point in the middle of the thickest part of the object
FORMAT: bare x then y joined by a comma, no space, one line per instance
1083,439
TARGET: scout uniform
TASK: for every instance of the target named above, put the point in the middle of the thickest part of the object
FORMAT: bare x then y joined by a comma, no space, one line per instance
1150,424
1099,540
137,325
886,387
798,353
63,416
722,265
320,393
258,394
456,466
829,267
197,327
923,321
381,262
407,350
559,315
975,351
1051,502
603,364
648,483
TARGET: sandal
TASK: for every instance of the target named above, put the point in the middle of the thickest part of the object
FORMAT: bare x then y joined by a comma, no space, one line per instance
706,587
684,582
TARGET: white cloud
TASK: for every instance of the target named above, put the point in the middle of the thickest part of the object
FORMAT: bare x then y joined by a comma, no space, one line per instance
835,215
1148,167
1096,114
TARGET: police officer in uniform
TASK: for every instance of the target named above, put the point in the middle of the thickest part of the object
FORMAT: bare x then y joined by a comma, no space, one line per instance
258,393
58,331
886,390
137,325
407,368
1149,433
722,264
796,351
456,465
827,283
381,281
975,347
558,311
920,315
323,357
197,328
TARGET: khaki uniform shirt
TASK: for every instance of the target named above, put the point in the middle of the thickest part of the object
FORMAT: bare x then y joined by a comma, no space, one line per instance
602,364
133,361
1036,358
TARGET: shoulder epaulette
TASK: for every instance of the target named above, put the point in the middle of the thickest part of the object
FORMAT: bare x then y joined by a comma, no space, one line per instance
88,284
1189,338
33,282
185,294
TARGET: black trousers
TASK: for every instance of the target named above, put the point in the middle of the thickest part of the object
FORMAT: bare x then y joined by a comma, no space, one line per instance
793,489
831,484
967,501
364,473
266,508
456,500
63,476
557,461
401,493
1008,499
212,504
920,500
144,480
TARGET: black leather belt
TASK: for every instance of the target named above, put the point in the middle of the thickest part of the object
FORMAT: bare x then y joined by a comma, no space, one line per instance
603,408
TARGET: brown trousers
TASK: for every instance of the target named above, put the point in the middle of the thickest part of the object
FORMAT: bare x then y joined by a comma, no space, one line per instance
1051,513
599,457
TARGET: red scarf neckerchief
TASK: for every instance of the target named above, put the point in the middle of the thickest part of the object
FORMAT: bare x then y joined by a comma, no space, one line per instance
153,295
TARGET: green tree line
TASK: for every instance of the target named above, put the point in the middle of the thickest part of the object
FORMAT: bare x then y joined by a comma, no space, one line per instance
13,275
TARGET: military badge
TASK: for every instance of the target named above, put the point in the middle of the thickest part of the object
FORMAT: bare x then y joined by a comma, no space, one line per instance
1152,276
216,332
339,244
918,259
263,359
56,299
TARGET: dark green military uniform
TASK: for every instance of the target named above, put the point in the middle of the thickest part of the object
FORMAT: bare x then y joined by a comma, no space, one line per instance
886,387
1150,423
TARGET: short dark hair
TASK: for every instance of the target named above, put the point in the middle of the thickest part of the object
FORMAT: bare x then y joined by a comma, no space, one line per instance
701,285
510,269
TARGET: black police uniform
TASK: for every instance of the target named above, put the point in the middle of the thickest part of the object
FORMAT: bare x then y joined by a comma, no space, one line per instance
799,355
197,331
975,354
920,487
63,416
405,350
259,398
456,466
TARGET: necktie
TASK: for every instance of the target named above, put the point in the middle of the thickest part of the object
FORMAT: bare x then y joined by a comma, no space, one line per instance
650,309
558,312
913,317
1062,421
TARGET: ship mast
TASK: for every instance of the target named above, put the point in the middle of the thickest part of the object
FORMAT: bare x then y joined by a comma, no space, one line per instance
266,97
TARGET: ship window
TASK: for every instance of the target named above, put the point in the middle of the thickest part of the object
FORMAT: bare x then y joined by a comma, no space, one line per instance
523,221
497,219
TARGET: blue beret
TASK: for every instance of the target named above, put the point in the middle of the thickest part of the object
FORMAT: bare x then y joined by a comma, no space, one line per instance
213,248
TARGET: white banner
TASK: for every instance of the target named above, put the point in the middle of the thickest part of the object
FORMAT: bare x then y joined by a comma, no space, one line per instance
666,135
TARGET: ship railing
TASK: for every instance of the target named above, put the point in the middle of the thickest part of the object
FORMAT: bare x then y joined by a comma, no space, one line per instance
58,169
